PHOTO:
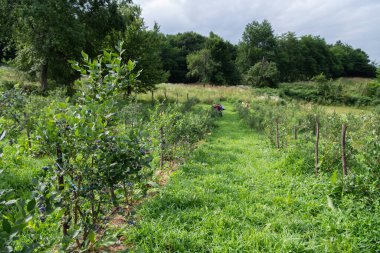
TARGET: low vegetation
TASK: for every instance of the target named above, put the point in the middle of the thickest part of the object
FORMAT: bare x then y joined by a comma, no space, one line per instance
96,156
68,167
343,91
239,193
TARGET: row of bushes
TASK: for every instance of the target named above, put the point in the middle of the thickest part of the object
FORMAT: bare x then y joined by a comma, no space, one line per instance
96,151
296,126
332,93
352,199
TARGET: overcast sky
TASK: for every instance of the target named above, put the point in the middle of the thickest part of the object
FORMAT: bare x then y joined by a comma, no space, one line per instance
355,22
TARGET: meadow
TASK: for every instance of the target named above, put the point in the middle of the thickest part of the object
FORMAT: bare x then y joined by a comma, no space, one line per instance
164,173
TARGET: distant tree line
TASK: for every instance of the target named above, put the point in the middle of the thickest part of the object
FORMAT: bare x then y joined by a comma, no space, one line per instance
261,58
41,36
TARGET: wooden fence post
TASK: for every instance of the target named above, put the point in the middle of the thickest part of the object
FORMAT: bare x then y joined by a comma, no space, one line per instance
317,125
162,148
344,163
152,97
166,98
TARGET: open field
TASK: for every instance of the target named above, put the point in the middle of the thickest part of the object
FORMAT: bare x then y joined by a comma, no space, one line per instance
198,91
211,94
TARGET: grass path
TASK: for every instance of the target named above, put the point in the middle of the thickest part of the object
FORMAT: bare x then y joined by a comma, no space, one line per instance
230,198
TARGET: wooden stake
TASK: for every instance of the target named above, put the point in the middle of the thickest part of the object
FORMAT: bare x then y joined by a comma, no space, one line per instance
344,163
317,123
162,147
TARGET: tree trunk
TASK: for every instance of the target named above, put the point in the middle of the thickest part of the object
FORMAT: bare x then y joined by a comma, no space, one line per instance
113,197
295,133
152,97
44,77
316,144
344,164
59,162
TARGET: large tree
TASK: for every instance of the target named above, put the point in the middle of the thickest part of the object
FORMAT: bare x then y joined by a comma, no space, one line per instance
176,49
289,57
316,57
48,33
7,50
145,47
201,66
258,42
223,54
352,62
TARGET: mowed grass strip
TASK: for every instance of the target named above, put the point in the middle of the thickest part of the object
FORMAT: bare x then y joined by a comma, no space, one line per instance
230,197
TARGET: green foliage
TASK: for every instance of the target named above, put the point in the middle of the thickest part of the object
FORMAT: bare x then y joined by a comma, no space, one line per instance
107,75
44,50
296,126
201,65
341,91
289,57
224,55
97,150
236,184
262,74
175,50
144,46
258,42
351,62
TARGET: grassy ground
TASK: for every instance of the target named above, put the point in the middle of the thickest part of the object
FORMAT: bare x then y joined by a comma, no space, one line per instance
211,94
232,197
205,94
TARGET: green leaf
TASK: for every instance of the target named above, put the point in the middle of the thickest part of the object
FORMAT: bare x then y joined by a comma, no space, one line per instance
7,226
92,237
84,55
31,205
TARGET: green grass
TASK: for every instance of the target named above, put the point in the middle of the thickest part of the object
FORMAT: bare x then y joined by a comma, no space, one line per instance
233,196
206,94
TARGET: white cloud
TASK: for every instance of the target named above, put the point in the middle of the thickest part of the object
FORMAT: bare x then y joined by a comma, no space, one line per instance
354,22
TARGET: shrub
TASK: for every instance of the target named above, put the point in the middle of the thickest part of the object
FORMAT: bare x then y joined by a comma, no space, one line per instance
262,74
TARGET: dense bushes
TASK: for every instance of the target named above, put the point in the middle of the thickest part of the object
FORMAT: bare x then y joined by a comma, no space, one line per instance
341,91
98,150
